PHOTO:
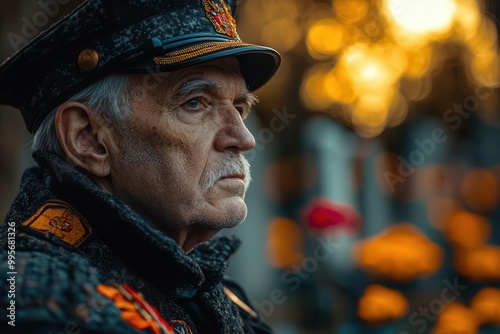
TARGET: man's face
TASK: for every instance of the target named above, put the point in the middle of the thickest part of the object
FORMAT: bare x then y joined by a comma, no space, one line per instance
178,160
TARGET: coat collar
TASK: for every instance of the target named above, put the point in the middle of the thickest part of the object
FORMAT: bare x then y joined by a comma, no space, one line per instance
127,235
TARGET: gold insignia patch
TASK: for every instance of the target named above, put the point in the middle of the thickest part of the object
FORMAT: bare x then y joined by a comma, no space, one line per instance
59,219
221,18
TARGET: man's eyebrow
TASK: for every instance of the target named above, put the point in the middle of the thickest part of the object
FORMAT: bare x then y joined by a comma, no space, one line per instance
194,86
200,85
248,98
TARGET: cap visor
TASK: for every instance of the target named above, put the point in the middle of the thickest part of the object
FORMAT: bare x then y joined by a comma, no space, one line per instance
257,63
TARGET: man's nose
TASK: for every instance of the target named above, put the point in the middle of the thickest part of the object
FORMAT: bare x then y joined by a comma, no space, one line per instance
234,134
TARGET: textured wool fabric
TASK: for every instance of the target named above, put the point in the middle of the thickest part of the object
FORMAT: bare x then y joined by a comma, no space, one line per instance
56,282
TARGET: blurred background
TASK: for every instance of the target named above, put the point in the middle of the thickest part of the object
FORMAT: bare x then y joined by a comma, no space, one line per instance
374,206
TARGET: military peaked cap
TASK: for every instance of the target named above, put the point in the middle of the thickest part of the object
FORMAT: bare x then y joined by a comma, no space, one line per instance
103,37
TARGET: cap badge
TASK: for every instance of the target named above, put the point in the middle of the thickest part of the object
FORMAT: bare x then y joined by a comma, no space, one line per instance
221,17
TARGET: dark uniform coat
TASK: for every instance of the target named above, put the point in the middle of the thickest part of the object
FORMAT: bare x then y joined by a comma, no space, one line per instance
81,261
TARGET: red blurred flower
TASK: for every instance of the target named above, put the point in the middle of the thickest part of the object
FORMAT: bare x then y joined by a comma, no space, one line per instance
325,216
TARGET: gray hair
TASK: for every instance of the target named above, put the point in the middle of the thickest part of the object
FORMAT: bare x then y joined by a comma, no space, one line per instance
109,98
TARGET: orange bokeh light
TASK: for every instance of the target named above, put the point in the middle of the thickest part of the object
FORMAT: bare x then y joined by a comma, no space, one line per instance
400,253
380,304
415,22
467,229
285,243
486,305
325,38
351,11
479,190
480,264
456,318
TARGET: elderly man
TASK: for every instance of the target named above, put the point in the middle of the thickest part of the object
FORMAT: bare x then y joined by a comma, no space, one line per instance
137,110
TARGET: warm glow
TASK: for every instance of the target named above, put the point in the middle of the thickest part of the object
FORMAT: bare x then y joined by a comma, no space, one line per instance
283,34
380,304
468,17
351,11
486,306
369,116
456,318
285,243
415,88
325,38
479,190
270,10
400,253
479,264
369,68
419,61
337,87
421,17
391,48
398,111
372,71
484,56
313,91
467,229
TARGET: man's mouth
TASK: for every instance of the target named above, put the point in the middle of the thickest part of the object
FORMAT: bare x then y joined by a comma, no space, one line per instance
234,176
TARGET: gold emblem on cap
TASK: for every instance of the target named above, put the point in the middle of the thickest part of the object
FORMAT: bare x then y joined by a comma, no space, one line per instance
221,18
88,60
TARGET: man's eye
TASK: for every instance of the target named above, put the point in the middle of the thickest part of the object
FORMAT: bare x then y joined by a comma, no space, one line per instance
195,103
241,109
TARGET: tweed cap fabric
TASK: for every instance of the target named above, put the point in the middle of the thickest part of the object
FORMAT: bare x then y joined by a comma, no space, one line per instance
103,37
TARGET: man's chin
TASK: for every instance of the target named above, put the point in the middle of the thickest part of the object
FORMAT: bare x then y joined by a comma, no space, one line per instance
230,212
228,208
236,210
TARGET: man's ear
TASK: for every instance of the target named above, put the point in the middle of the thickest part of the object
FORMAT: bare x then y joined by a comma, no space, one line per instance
80,133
